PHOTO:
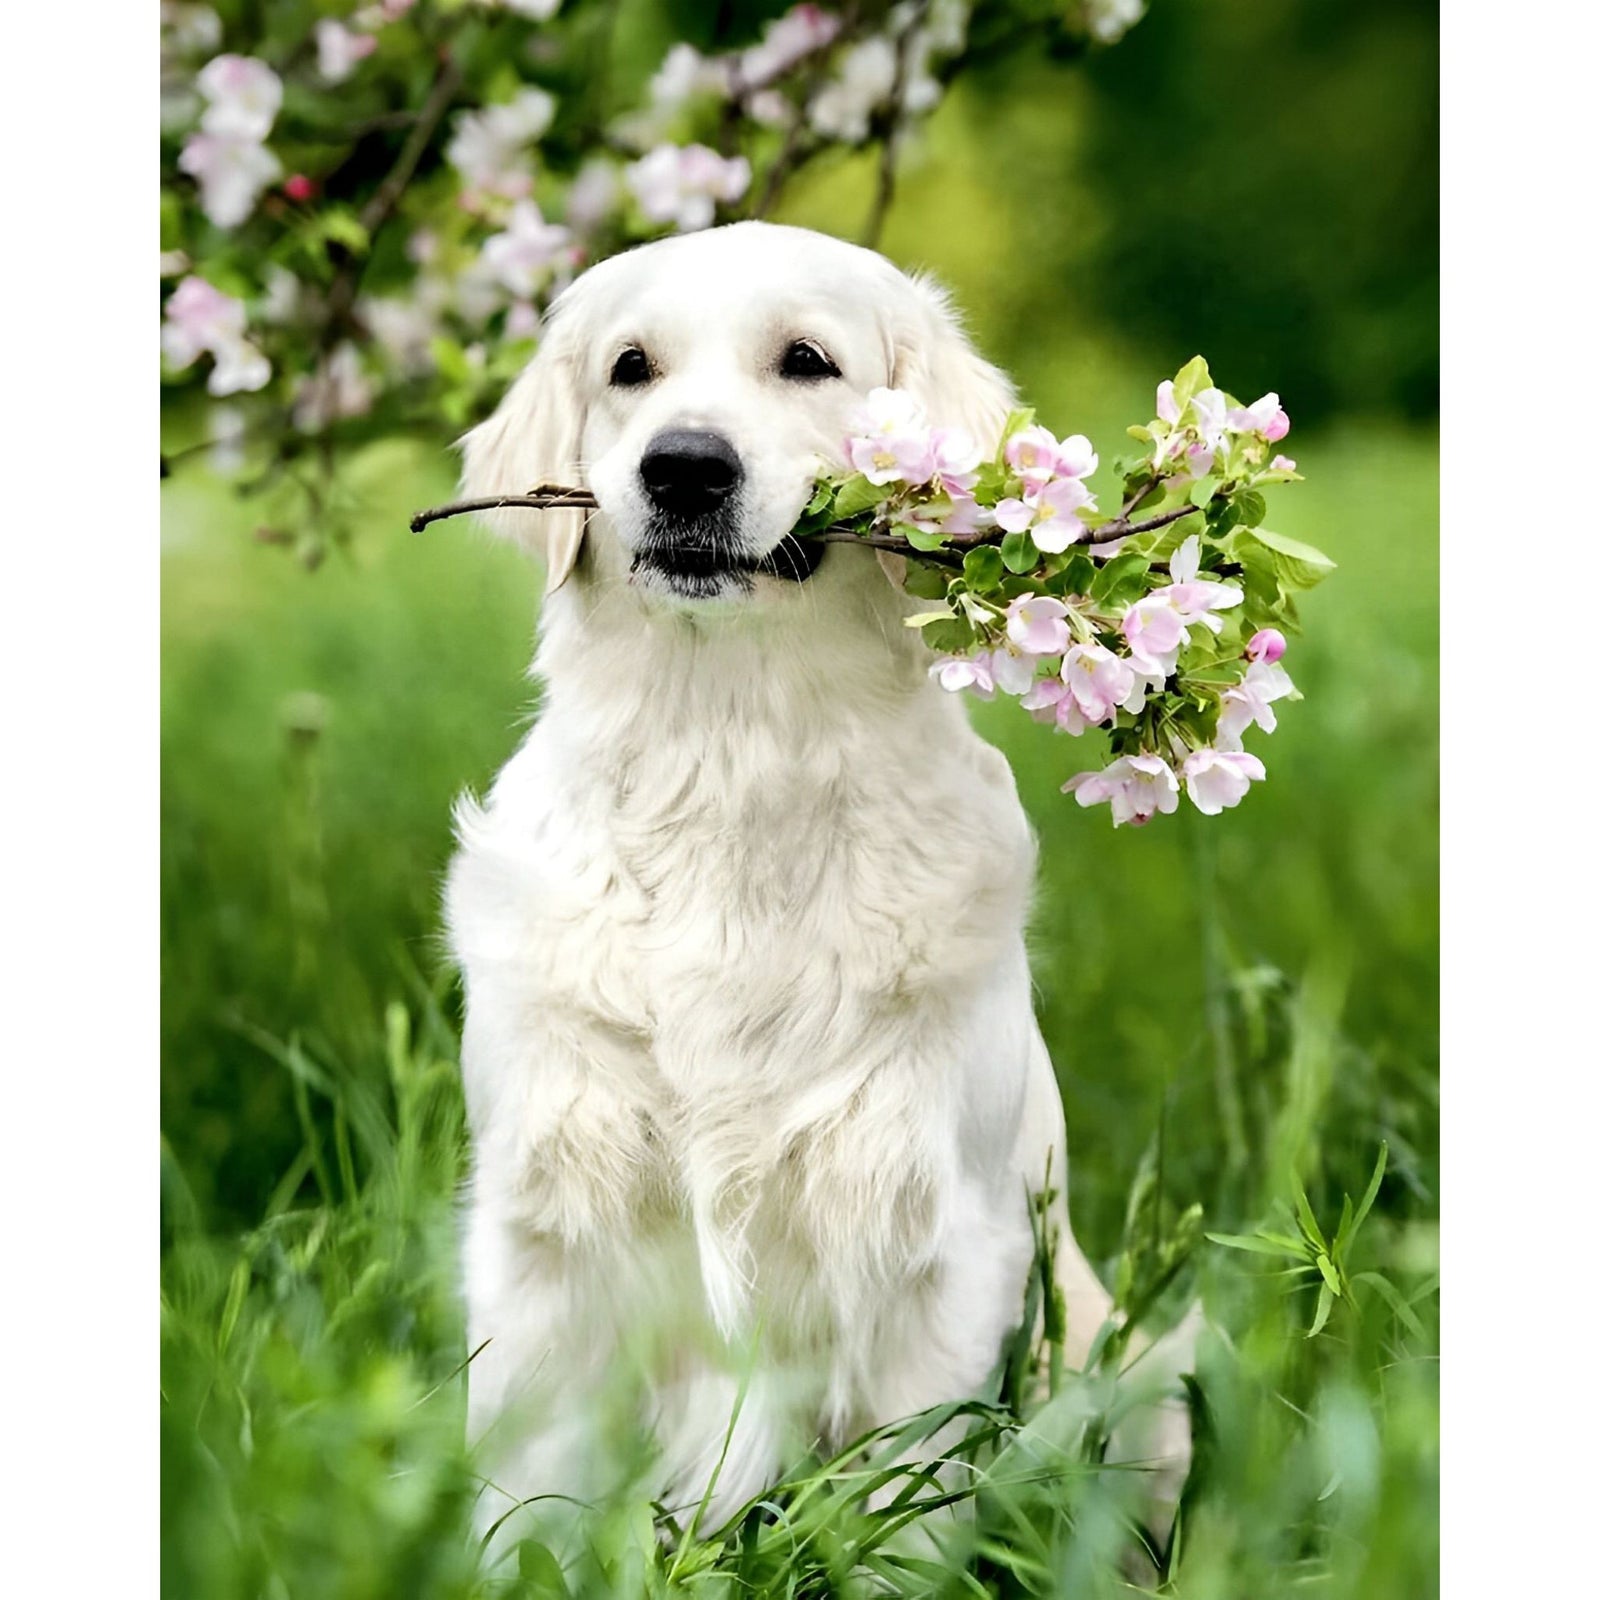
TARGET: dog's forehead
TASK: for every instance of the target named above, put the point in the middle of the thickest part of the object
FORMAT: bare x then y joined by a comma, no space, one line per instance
738,277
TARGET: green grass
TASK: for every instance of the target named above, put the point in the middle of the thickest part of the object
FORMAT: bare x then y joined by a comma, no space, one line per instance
1262,987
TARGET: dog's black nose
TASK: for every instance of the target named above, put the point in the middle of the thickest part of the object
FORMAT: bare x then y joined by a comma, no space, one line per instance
689,471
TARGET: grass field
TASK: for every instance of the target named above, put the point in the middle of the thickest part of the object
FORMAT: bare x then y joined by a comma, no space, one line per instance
1275,1019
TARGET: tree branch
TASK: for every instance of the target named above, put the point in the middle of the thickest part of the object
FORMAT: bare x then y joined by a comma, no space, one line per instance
558,497
386,197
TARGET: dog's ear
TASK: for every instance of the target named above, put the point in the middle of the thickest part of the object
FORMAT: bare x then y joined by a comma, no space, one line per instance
935,362
533,439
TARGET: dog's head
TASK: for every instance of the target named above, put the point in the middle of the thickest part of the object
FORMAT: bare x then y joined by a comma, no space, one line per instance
696,386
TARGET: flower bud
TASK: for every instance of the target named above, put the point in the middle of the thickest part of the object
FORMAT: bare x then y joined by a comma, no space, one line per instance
1266,645
299,187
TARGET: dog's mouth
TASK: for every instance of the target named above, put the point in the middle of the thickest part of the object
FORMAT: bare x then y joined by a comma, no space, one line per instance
705,568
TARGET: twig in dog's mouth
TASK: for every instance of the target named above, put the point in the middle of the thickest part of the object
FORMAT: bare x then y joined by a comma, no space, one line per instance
791,558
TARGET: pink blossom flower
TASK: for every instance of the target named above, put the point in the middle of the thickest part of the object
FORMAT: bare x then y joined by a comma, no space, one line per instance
1250,701
953,461
965,672
1282,464
682,184
1211,416
521,258
340,49
1099,680
1037,623
1044,696
1265,417
1155,633
890,441
299,187
1048,513
1266,644
1167,402
1219,779
242,97
1011,669
787,41
1196,599
231,171
199,319
1038,456
522,321
1137,786
954,515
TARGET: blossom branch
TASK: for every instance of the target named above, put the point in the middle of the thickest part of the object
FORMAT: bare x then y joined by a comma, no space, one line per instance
559,497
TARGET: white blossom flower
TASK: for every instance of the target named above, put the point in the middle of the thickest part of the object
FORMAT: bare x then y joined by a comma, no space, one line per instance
682,184
1137,786
843,108
521,258
242,97
1249,702
593,195
1219,779
339,388
787,41
340,49
488,147
231,173
1108,20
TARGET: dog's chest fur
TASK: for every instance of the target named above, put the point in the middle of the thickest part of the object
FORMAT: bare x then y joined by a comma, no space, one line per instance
722,952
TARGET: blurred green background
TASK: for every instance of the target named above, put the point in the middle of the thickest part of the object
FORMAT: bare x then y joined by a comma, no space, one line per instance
1256,183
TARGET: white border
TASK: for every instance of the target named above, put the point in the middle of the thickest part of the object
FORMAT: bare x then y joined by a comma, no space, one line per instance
79,643
1521,556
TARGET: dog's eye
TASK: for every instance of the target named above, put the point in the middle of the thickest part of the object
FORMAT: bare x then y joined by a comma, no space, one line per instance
631,368
803,359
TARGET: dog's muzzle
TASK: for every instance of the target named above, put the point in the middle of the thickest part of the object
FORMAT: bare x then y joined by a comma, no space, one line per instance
692,477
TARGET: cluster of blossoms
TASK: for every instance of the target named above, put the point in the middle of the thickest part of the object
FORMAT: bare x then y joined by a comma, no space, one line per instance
367,205
1163,625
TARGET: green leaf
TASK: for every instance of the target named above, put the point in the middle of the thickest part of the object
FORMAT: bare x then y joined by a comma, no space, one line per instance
1202,490
950,637
983,568
1397,1302
1077,575
344,227
1016,421
1251,506
1330,1273
538,1566
1192,377
1120,580
1308,1219
1299,566
920,538
1018,552
856,495
925,580
1373,1184
1260,1244
1324,1306
821,500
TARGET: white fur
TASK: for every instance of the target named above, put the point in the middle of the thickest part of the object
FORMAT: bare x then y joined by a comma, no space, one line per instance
753,1077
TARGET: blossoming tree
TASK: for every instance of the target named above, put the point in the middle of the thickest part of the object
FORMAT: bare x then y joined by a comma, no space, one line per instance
367,208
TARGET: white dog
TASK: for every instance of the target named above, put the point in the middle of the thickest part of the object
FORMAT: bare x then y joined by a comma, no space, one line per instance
753,1077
